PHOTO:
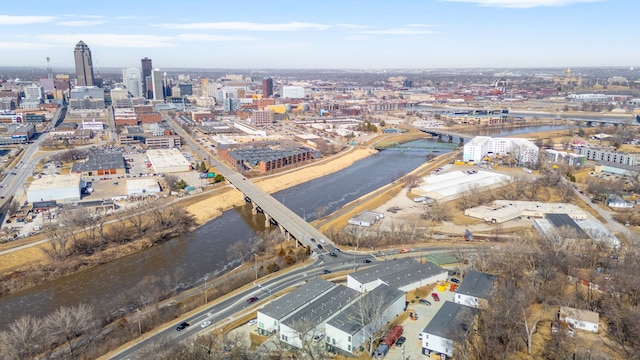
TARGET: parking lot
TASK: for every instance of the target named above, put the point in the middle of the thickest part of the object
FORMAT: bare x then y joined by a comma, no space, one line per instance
412,328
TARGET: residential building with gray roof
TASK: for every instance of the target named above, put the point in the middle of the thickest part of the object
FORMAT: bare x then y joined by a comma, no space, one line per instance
405,274
474,289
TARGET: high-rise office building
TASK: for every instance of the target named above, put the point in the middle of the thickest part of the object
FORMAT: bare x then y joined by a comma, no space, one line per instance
131,79
267,87
146,77
84,64
157,83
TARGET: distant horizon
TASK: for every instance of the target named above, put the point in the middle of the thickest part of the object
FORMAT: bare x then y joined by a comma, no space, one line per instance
357,34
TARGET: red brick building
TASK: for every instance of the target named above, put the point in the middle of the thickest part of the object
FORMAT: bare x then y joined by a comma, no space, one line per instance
149,118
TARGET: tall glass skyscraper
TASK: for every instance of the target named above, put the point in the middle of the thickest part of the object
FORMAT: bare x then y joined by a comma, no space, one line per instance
146,77
84,64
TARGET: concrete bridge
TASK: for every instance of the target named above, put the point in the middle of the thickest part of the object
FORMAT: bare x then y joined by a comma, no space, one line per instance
440,133
276,213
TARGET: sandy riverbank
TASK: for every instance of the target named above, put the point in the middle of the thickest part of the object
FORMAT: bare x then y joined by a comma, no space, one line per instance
213,206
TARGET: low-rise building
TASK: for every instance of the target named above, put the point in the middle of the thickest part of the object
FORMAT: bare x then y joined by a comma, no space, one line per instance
364,318
580,319
101,164
61,188
270,316
475,289
168,161
448,325
404,274
300,326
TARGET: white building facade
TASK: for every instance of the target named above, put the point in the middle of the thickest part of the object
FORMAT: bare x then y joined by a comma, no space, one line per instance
293,92
523,150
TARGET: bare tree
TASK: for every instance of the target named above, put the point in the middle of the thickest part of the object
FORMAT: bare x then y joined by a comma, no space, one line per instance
66,324
436,212
367,316
24,339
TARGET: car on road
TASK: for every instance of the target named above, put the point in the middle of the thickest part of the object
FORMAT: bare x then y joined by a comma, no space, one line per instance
317,337
337,250
333,254
401,341
251,300
313,240
183,326
322,241
326,271
454,280
435,296
319,246
404,251
252,322
366,261
425,301
205,324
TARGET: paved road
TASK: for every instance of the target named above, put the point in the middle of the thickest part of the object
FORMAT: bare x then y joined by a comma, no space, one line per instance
236,306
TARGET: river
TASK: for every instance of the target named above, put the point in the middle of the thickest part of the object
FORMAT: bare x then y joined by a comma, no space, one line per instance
185,261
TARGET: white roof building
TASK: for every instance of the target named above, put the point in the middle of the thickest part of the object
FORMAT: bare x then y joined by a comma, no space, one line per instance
62,188
450,185
142,186
168,161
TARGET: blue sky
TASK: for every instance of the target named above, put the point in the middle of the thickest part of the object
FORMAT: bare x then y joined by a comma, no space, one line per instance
353,34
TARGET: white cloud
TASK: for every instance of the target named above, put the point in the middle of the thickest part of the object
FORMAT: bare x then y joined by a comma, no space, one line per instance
409,30
81,23
352,26
6,45
85,16
23,20
213,38
249,26
524,3
110,40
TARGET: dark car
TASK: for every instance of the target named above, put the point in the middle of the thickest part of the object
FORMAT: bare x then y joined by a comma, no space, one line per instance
366,261
333,254
183,326
454,280
425,301
251,300
401,341
319,246
326,271
313,240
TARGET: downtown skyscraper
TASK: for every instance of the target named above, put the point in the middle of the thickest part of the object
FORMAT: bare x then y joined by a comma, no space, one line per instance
84,65
146,77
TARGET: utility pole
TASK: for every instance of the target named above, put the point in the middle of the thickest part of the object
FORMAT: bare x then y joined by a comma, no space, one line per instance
205,288
256,264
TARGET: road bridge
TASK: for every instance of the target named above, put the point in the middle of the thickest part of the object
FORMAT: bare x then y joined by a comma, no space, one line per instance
440,133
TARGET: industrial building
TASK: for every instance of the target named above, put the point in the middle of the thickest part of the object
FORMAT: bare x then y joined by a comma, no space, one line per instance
451,185
166,161
265,159
405,274
561,227
60,188
143,186
347,331
101,164
500,211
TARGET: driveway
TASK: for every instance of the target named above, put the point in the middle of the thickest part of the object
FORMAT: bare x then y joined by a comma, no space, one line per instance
412,328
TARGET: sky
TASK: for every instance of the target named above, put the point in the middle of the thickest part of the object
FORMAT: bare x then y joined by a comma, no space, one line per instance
325,34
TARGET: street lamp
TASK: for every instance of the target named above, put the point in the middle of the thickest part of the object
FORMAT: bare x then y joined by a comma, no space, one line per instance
304,214
139,326
205,288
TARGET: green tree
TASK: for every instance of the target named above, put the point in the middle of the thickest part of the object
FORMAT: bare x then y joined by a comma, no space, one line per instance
181,184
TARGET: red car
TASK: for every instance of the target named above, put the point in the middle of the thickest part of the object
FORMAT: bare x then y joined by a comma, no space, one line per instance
435,296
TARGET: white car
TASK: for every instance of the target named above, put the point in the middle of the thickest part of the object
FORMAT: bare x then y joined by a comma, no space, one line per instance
252,322
322,241
205,324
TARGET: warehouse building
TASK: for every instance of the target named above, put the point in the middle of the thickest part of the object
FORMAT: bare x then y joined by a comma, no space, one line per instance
166,161
500,211
451,185
99,164
61,188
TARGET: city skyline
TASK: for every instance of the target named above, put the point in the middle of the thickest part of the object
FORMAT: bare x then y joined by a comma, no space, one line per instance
336,35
